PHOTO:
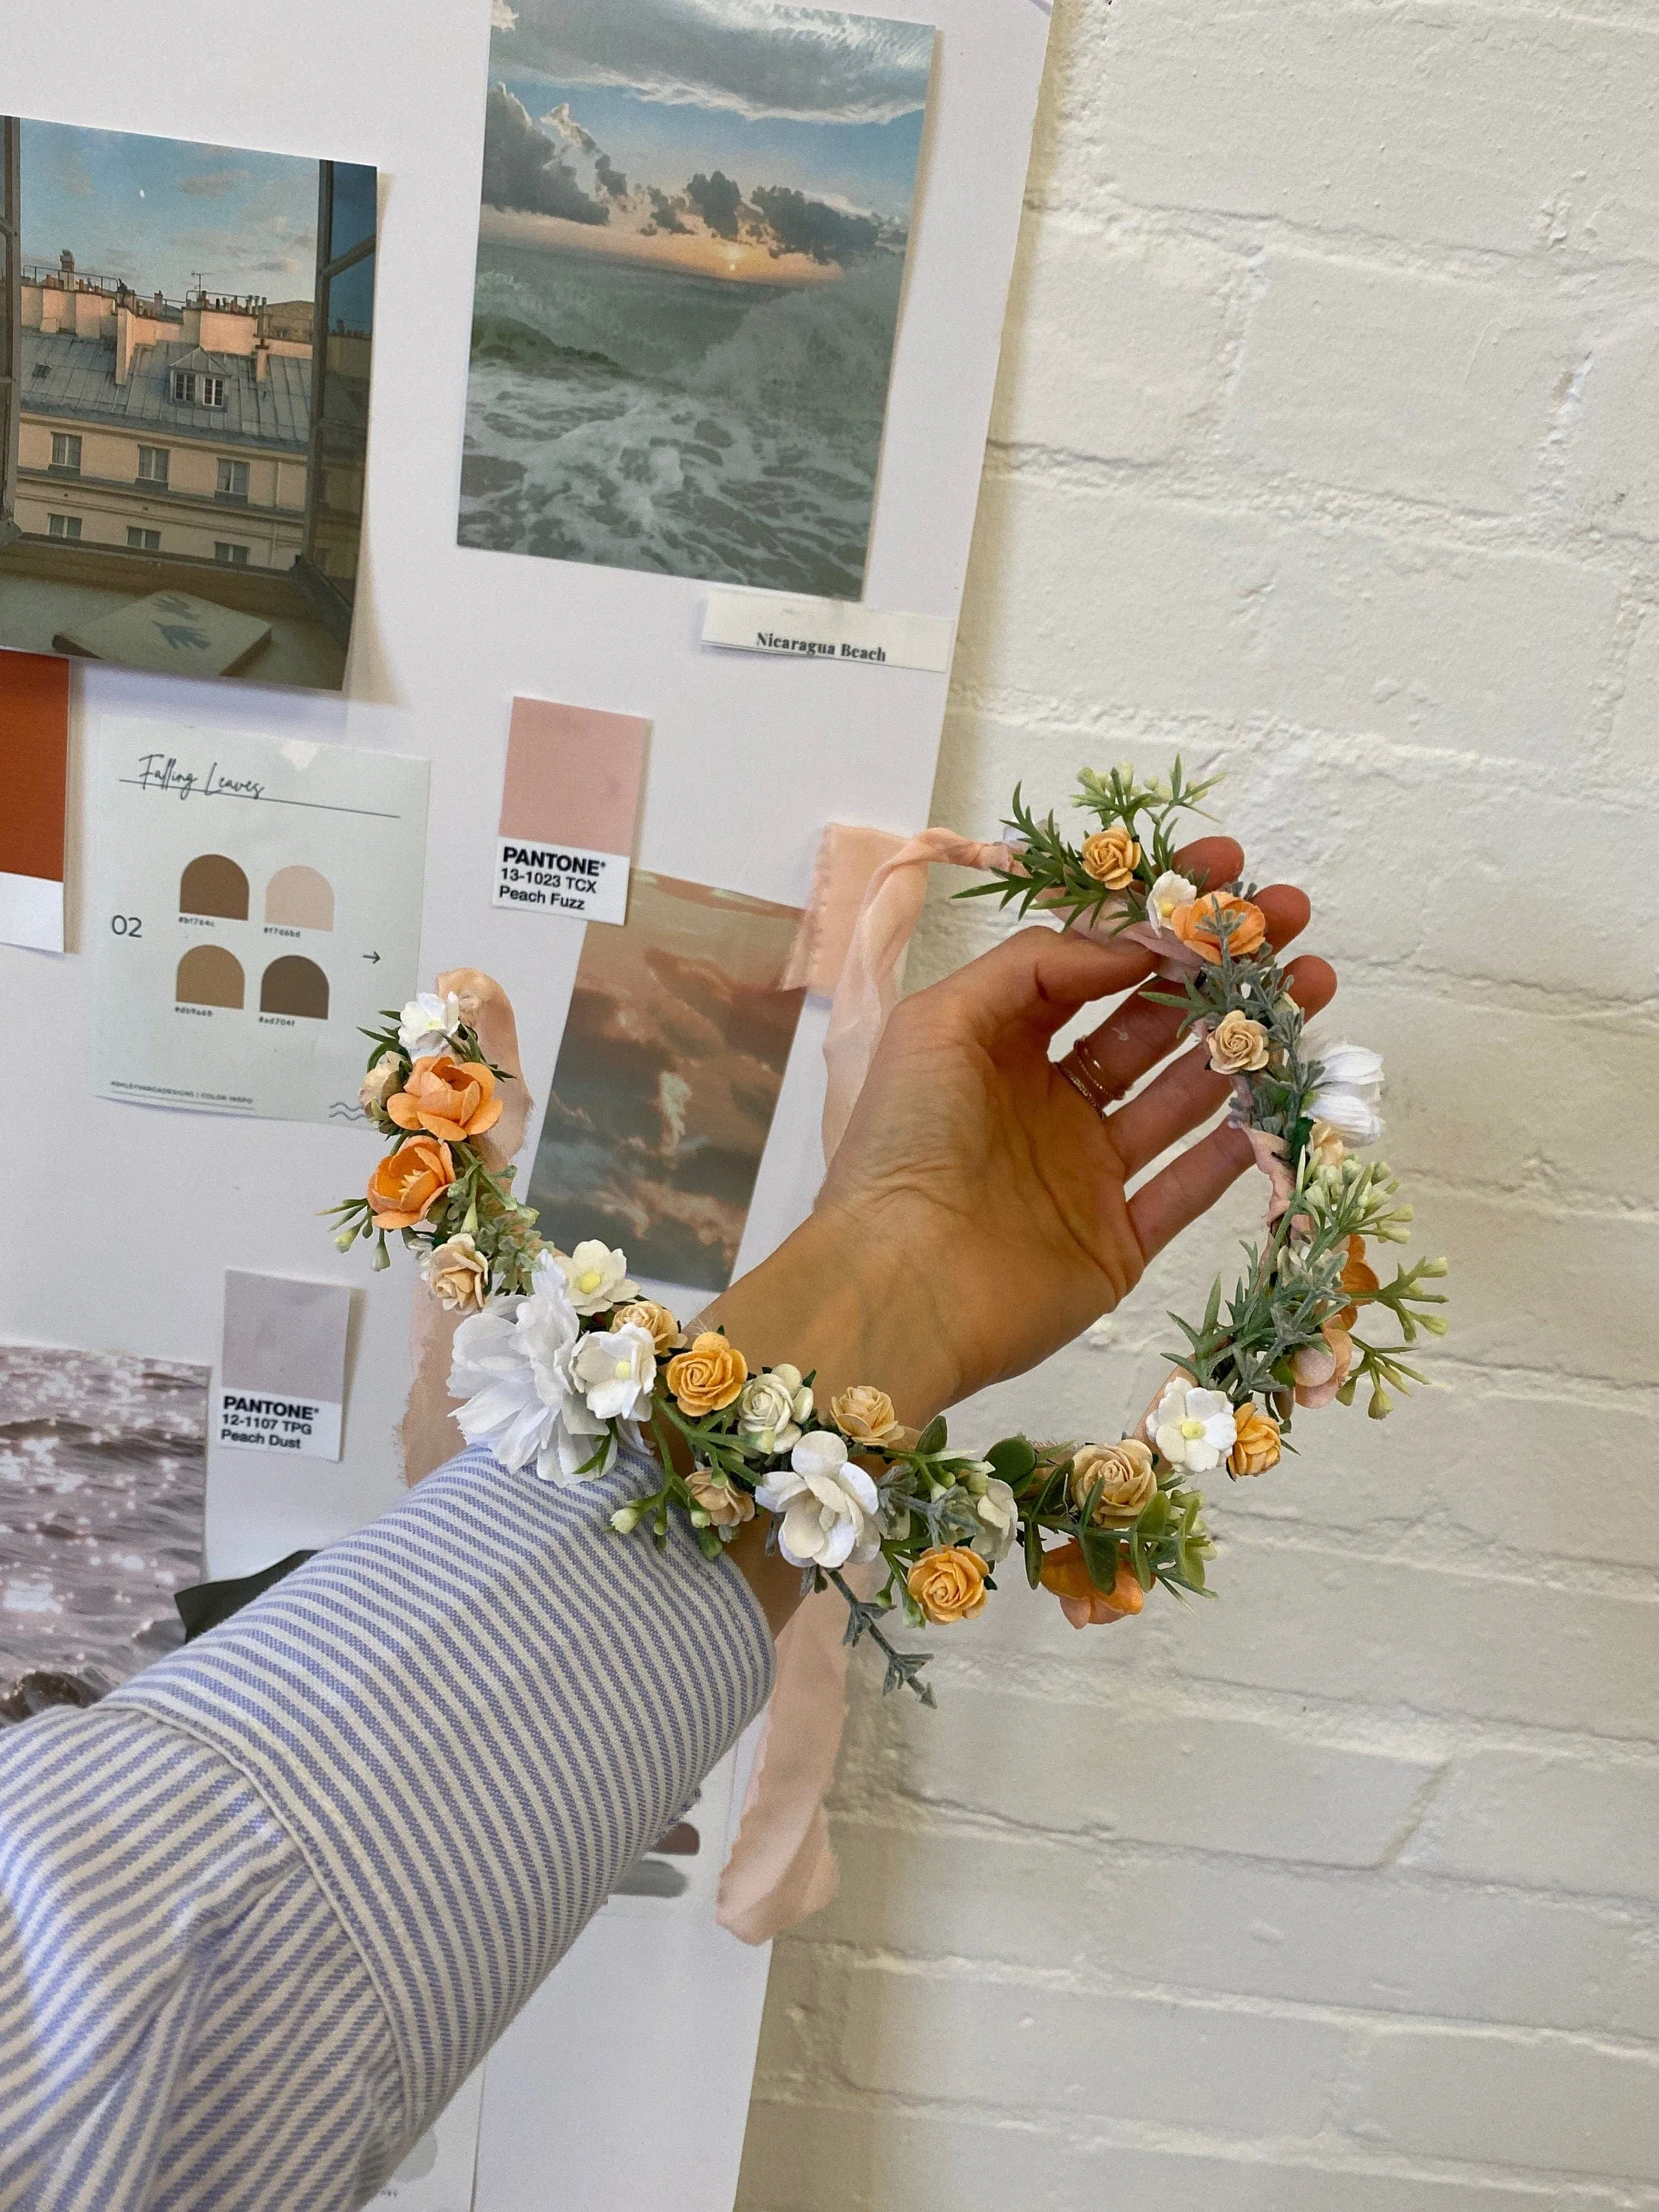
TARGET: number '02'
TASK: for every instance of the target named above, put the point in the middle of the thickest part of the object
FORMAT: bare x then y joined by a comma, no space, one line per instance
127,925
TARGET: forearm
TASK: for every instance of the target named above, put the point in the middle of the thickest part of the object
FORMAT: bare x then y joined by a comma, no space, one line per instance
440,1744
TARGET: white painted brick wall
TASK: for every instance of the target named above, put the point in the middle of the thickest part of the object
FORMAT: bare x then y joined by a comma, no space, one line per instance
1327,453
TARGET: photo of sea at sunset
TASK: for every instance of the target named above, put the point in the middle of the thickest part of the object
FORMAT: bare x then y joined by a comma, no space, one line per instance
691,253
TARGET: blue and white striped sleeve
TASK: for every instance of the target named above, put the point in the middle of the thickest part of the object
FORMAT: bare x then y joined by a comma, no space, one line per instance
263,1909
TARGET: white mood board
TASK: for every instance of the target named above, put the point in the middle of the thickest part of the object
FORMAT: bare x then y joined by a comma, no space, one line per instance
749,756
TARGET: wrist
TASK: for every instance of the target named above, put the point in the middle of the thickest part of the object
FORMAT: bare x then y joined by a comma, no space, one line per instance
844,1306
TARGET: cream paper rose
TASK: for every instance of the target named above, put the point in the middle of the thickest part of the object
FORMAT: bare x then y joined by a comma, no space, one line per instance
1127,1478
378,1085
1193,1429
615,1370
771,1408
596,1277
998,1515
457,1275
1238,1046
830,1508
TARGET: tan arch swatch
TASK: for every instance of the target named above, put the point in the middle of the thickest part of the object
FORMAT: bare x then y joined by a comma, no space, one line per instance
297,897
294,984
209,975
213,884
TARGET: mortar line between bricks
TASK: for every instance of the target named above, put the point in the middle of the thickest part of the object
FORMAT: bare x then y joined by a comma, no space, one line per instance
1327,2151
889,1812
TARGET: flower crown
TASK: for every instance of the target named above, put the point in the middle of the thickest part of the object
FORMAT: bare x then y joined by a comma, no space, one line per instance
559,1359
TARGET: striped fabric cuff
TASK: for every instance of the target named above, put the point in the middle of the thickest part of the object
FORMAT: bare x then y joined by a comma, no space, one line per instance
473,1717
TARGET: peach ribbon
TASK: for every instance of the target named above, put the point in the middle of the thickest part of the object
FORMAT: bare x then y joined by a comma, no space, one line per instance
782,1866
426,1435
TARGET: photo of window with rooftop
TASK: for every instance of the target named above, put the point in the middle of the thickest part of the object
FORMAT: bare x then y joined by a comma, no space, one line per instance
185,341
695,220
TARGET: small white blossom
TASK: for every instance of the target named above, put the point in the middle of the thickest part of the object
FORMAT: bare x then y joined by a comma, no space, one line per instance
830,1507
596,1277
772,1408
1193,1429
511,1366
999,1519
616,1369
428,1023
1350,1086
1169,891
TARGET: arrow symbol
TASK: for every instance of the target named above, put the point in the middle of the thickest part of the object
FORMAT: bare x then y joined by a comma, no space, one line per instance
179,634
371,955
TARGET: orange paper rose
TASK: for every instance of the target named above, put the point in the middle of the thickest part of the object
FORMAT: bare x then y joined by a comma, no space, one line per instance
452,1099
1256,1447
664,1332
708,1377
403,1188
948,1583
1356,1276
1066,1572
1197,924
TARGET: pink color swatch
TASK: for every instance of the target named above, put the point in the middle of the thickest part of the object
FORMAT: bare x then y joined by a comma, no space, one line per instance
573,777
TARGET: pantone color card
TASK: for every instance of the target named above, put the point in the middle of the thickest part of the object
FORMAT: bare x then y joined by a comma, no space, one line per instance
33,766
254,904
569,801
282,1365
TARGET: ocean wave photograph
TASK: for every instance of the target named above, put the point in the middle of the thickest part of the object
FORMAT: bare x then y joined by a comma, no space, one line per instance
692,254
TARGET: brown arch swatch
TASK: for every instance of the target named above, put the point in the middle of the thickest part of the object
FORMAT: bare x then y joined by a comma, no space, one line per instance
212,885
299,898
294,984
209,975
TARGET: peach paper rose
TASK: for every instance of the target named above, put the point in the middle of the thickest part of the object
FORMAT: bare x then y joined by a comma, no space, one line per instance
1066,1572
453,1099
706,1379
403,1188
1238,1046
1257,1447
1126,1473
726,1504
664,1332
1327,1146
866,1415
1196,924
1109,856
948,1583
458,1275
1320,1369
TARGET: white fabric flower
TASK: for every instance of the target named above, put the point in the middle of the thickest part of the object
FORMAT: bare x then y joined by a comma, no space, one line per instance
999,1519
596,1277
830,1507
616,1369
1169,891
428,1023
772,1408
1193,1429
511,1366
1350,1087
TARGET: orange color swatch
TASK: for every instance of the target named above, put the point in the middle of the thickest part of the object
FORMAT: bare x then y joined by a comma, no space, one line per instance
33,773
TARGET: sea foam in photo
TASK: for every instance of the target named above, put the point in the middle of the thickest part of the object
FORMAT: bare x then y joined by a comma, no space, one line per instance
692,252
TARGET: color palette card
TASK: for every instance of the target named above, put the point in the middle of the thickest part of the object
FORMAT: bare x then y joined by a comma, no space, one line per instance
282,1365
34,771
254,904
569,802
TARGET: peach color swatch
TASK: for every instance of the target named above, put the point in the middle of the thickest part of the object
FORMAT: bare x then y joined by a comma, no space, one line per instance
573,777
